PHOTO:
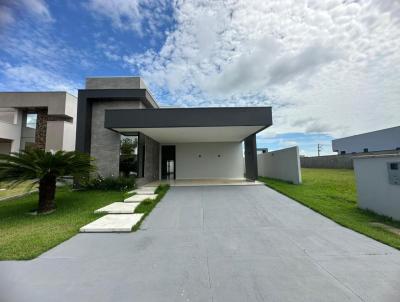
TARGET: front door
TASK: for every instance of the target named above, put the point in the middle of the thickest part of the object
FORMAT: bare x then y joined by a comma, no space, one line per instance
168,164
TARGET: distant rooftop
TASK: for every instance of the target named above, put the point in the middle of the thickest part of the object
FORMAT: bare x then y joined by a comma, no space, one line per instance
396,128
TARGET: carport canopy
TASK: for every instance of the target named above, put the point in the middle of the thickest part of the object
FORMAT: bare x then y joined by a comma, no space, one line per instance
189,125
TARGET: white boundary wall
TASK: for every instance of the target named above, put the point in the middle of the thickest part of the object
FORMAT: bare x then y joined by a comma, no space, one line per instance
282,164
374,191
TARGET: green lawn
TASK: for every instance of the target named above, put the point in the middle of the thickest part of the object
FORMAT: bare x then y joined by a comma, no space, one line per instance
23,236
332,192
17,190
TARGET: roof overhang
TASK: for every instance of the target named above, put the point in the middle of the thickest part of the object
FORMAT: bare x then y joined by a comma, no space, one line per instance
180,125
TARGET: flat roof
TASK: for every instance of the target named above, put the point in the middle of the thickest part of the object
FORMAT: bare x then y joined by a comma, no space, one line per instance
210,124
56,91
367,133
188,117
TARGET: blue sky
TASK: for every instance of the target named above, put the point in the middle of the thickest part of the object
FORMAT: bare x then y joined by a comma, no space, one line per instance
328,68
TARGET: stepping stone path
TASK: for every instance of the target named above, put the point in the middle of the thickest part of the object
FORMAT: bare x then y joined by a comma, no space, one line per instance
121,217
112,223
144,191
118,208
140,198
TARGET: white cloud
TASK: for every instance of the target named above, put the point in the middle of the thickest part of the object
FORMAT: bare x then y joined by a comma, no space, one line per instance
31,78
40,47
44,61
139,16
38,8
304,63
289,143
266,66
9,10
6,16
124,14
335,64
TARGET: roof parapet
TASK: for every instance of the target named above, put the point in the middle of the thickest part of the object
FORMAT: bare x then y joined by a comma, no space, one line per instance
115,83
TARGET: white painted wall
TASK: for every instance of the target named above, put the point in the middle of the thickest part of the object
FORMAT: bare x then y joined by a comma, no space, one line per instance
69,134
57,102
8,115
71,105
281,164
12,131
60,134
374,191
54,135
5,148
381,140
190,166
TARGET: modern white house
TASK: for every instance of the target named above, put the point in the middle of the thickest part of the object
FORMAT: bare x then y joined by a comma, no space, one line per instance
208,143
173,143
376,141
43,119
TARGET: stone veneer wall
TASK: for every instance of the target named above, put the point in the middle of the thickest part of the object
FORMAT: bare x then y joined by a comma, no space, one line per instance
105,144
152,158
41,128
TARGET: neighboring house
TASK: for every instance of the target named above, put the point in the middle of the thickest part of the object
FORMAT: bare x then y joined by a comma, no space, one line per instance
262,150
376,141
173,143
46,120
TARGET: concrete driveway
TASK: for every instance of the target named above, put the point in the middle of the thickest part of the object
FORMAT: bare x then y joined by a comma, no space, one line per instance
227,243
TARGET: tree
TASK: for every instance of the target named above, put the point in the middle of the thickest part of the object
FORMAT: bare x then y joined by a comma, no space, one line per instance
128,158
44,168
128,146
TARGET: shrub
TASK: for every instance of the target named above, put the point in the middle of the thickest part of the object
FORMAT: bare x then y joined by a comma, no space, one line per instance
111,183
45,168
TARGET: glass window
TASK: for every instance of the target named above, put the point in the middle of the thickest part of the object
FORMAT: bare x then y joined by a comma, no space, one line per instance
128,163
31,119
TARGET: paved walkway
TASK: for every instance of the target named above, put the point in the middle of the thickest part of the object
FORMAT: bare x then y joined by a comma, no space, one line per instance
236,243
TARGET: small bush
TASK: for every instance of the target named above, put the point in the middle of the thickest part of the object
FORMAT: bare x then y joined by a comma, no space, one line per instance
161,189
111,183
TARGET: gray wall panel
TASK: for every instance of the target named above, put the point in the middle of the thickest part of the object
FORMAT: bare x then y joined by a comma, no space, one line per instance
189,117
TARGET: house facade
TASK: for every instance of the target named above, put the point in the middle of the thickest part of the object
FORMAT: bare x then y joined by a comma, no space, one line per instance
172,143
385,140
46,120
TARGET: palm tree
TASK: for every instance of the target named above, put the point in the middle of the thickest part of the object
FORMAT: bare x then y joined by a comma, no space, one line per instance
44,168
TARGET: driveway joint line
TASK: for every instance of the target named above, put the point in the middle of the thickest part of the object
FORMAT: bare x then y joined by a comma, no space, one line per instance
315,261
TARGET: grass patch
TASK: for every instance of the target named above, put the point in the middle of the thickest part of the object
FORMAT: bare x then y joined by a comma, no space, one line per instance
332,193
22,188
25,236
146,206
